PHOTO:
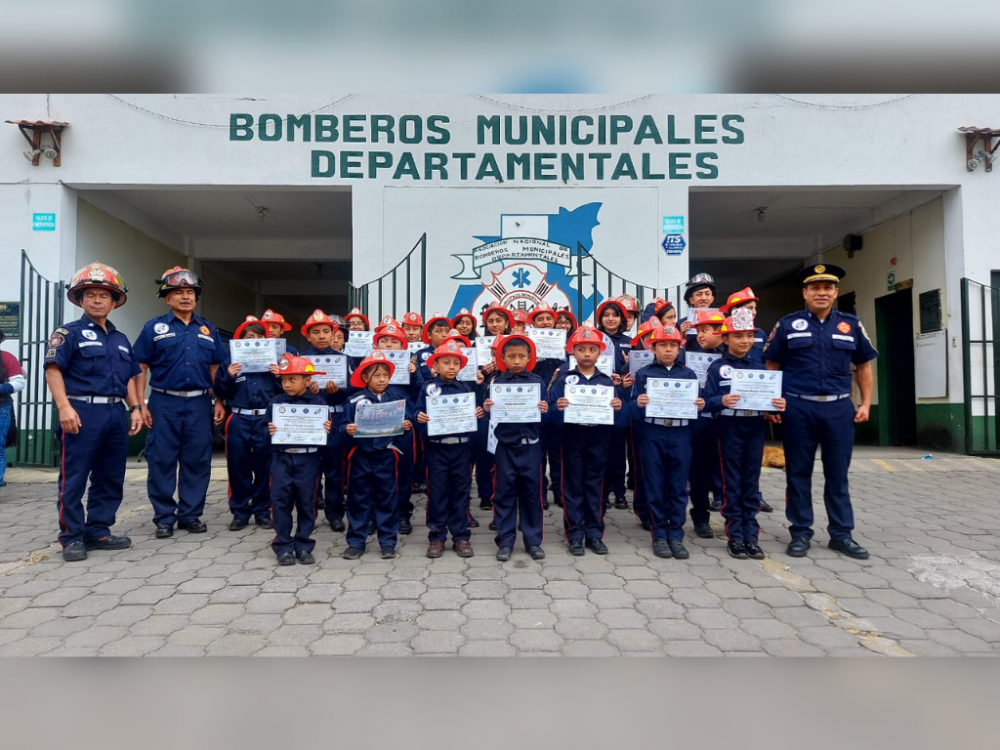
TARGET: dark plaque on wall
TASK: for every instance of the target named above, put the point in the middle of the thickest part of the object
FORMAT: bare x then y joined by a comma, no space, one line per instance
10,319
930,311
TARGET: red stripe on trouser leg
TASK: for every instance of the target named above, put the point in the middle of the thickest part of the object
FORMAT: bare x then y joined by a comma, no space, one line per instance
62,483
225,442
725,493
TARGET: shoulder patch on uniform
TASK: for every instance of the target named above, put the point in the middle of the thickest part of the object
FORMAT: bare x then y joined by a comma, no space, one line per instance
56,340
572,379
433,389
50,354
61,332
861,327
160,328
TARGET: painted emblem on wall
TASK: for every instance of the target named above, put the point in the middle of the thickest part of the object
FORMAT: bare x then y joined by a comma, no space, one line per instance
533,259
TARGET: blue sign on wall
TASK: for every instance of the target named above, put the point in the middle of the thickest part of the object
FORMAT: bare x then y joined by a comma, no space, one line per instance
673,225
673,244
43,222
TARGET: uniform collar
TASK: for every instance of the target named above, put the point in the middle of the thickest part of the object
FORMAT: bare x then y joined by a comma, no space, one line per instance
88,323
195,320
733,358
446,383
377,397
588,377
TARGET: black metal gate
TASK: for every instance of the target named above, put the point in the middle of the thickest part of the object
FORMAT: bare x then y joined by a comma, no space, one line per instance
42,310
399,289
981,367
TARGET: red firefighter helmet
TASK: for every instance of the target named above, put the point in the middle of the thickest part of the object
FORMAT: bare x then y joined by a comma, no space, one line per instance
645,329
739,298
666,333
251,320
179,278
413,319
586,334
499,309
356,313
318,318
390,331
292,365
97,276
502,341
435,318
270,317
374,357
450,348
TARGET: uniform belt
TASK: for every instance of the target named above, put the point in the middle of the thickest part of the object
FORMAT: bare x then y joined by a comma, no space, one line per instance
740,413
667,422
449,440
821,399
337,409
97,399
182,394
249,412
296,450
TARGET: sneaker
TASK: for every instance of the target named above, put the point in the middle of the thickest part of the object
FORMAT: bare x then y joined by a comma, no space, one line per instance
109,542
576,547
435,550
504,553
388,553
353,553
74,552
754,552
305,557
286,558
238,523
405,526
597,546
737,549
678,550
263,522
463,548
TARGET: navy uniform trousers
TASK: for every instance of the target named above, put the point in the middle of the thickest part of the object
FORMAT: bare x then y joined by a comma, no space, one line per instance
614,473
704,466
583,454
552,436
97,451
294,486
518,482
182,433
741,447
449,486
248,459
665,462
806,424
333,468
484,465
639,505
372,478
407,443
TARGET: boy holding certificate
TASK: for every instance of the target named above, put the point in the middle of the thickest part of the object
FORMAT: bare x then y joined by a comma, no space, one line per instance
519,448
391,338
705,471
373,460
436,330
248,448
665,449
542,316
741,435
320,329
449,431
295,468
583,446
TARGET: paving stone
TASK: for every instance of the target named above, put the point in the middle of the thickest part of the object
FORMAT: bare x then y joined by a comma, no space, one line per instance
661,609
385,649
32,617
923,618
927,648
485,589
236,644
295,635
959,641
676,630
778,597
486,609
443,599
256,623
441,620
181,604
566,590
524,619
801,617
633,640
94,604
729,589
349,623
612,599
397,610
392,632
217,614
491,630
403,590
622,618
125,615
271,603
864,607
988,630
747,608
648,590
948,608
827,638
308,614
790,647
565,573
894,627
487,648
29,646
608,580
579,629
691,648
95,637
356,601
437,642
696,598
891,598
712,619
196,635
537,640
527,599
767,629
590,648
729,639
567,608
158,625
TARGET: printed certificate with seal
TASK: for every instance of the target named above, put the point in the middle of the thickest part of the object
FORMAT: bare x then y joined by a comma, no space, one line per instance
417,346
334,365
451,414
383,419
639,358
401,359
550,343
280,347
468,373
589,404
605,363
299,424
256,355
483,346
756,388
700,362
359,343
672,398
515,403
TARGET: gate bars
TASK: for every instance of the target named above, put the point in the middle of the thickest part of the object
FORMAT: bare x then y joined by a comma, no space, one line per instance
981,367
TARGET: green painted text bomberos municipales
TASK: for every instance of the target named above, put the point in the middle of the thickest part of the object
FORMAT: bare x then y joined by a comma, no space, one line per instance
646,132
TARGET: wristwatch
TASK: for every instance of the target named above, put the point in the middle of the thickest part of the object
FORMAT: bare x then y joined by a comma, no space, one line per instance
133,407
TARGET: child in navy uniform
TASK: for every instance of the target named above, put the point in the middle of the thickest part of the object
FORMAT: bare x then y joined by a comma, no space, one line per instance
276,327
518,471
583,448
705,471
484,458
449,458
665,452
635,424
320,329
372,473
248,445
295,470
612,317
543,316
741,436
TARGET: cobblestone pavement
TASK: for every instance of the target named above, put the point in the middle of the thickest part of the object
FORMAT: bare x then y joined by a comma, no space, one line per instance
931,587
